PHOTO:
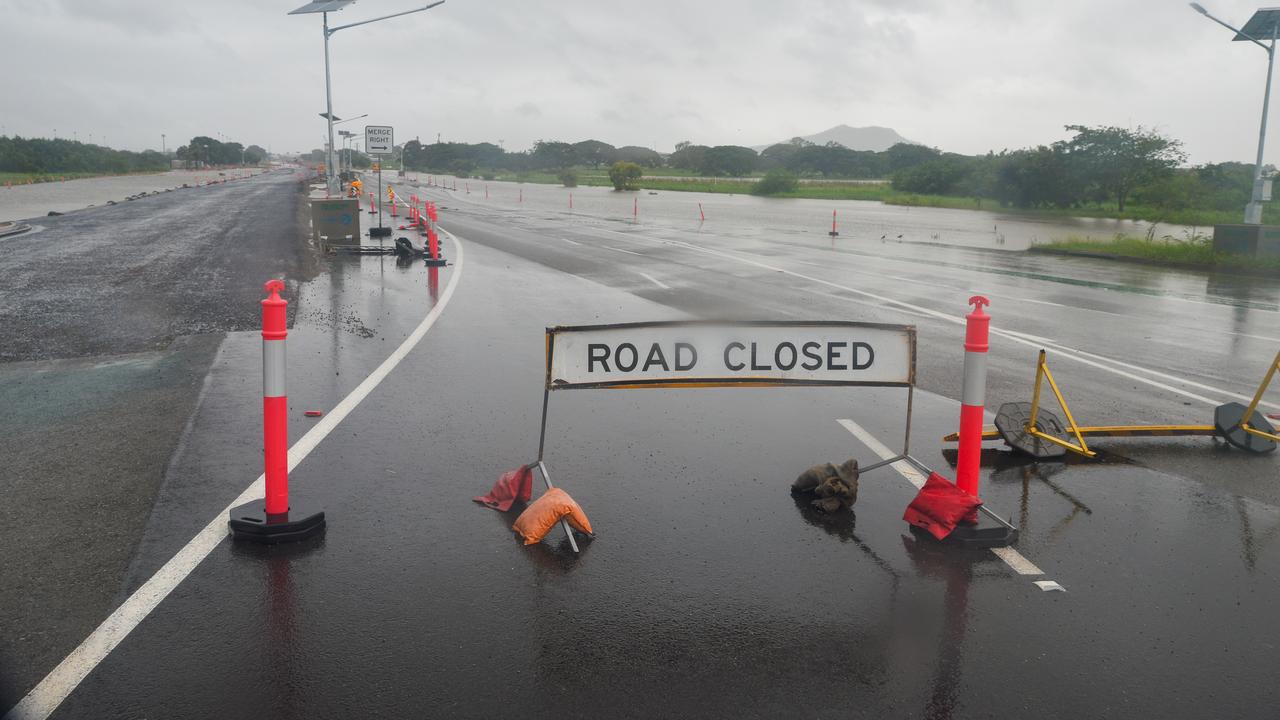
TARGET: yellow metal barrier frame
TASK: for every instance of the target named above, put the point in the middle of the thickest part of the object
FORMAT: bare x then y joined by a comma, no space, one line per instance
1257,398
1042,373
1081,432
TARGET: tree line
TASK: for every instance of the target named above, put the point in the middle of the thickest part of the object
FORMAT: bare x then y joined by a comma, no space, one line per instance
203,150
1094,165
45,156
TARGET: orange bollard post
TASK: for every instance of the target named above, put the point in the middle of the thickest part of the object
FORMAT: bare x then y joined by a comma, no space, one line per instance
275,518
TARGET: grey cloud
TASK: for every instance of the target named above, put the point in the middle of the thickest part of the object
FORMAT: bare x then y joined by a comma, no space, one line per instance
966,75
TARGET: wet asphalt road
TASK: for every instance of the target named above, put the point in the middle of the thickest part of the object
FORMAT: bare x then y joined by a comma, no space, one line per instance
133,276
1129,344
112,318
710,592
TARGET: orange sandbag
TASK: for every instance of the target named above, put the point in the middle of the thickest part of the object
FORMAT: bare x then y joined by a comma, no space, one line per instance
543,514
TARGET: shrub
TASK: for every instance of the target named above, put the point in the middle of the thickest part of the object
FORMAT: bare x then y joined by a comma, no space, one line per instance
625,175
569,177
775,182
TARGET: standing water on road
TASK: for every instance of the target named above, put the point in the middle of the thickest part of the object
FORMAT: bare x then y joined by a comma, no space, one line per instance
748,215
25,202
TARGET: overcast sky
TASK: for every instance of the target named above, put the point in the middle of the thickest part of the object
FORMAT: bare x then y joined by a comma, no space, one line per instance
963,75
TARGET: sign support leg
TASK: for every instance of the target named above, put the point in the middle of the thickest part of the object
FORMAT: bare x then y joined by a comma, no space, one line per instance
542,467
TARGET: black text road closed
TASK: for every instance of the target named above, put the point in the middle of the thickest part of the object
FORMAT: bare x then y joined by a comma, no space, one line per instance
761,353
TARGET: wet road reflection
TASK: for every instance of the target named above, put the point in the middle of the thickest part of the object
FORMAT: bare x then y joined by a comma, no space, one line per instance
751,216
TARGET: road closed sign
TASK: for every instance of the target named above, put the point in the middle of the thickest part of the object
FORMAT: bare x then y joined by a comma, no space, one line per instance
671,354
379,139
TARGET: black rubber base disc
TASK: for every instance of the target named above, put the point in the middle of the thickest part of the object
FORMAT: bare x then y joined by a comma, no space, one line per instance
987,533
380,232
1011,421
436,262
251,522
1226,422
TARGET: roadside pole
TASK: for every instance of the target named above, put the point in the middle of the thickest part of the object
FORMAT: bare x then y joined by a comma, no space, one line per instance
276,517
973,396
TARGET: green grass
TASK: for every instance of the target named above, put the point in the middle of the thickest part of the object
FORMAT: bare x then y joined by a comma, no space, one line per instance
1196,252
1193,217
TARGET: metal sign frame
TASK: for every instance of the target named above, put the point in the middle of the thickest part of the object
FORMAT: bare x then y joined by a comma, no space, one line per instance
549,385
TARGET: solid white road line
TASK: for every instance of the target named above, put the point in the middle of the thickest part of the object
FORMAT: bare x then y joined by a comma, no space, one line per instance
654,280
629,252
57,685
911,474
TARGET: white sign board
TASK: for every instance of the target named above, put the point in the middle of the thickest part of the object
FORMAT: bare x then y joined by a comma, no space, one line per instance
379,139
667,354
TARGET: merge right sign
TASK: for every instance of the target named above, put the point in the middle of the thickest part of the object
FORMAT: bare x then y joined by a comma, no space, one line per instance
752,354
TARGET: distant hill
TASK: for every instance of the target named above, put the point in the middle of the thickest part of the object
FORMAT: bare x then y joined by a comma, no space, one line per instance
860,138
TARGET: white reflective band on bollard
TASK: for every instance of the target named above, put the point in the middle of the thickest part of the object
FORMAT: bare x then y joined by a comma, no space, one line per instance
273,364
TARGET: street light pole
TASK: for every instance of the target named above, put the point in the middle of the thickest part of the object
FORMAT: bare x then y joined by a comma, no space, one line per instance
1253,211
330,179
324,7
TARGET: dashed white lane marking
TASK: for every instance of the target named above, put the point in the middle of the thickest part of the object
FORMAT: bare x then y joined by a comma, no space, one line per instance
911,474
654,280
629,252
1017,561
57,685
571,242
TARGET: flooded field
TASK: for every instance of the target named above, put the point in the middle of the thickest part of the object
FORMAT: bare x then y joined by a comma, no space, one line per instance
748,215
24,202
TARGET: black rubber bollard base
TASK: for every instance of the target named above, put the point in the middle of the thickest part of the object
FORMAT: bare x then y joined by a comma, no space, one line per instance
1226,423
436,262
251,522
987,533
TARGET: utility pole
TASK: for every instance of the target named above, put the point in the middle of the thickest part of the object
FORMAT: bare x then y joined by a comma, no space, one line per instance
324,8
1266,24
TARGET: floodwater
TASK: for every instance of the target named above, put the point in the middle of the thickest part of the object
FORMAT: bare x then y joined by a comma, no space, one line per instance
25,202
750,216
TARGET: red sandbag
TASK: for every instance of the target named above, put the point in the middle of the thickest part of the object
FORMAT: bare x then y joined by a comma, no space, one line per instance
940,506
513,485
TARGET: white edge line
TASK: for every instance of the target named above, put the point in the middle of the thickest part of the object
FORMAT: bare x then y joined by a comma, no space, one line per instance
45,697
911,474
629,252
654,280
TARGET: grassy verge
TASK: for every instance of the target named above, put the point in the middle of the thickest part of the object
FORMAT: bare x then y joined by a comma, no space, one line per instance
1193,217
1196,253
16,178
817,190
